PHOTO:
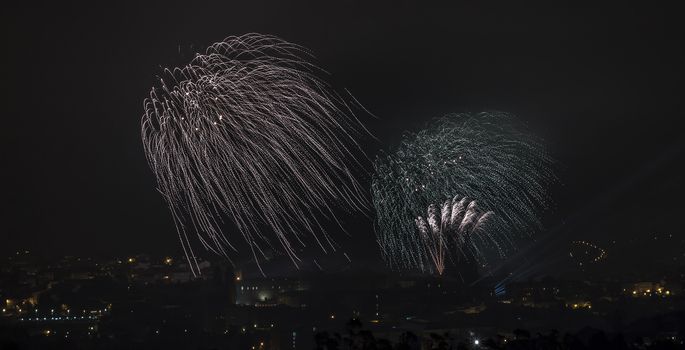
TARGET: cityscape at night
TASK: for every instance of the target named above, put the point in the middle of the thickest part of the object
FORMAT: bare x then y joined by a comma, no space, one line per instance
137,300
390,175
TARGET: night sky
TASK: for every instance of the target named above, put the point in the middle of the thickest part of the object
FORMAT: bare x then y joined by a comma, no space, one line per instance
604,87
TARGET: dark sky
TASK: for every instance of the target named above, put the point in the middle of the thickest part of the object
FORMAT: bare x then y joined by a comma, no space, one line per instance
604,86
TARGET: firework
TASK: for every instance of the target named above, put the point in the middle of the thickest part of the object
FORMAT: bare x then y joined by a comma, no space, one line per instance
249,132
587,252
452,226
498,172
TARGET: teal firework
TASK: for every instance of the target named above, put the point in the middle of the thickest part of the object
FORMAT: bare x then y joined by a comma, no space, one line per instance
488,162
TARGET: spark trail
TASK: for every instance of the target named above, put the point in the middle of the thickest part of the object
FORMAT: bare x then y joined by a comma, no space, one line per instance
248,132
452,226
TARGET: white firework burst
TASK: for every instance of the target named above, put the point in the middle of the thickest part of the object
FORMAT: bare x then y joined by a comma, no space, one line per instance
457,226
249,132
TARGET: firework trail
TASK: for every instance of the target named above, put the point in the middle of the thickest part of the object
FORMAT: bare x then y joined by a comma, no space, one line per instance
248,132
588,251
452,226
486,157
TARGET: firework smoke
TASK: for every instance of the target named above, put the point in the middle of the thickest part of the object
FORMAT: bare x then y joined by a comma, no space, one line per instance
248,132
486,157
